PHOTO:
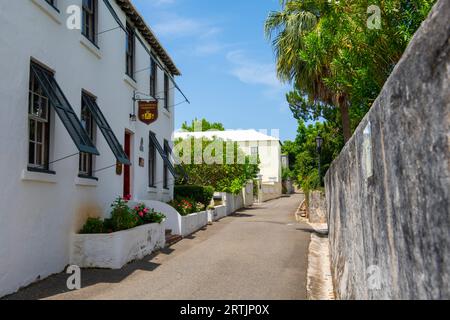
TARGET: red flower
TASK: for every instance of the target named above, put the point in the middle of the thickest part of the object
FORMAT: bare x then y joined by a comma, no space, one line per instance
127,197
141,214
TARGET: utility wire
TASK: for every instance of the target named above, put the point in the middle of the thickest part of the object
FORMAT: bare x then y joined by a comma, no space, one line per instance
149,52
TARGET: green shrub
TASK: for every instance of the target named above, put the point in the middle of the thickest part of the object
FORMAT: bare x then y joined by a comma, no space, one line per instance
92,226
200,194
122,217
184,206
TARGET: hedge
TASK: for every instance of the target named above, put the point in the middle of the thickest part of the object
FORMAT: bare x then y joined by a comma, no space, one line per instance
200,194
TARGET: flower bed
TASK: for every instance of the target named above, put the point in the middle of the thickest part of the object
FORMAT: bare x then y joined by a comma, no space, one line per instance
123,217
131,233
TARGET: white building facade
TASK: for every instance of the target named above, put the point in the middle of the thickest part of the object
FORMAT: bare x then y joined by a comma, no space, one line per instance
71,142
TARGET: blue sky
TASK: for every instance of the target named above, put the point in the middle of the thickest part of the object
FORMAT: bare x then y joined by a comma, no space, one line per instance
227,64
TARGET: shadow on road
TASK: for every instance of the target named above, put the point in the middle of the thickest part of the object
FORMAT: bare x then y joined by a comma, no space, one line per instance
57,284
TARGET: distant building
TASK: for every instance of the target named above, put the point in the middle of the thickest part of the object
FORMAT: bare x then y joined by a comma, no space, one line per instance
252,143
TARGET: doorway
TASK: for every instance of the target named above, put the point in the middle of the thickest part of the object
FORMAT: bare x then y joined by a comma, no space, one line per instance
127,168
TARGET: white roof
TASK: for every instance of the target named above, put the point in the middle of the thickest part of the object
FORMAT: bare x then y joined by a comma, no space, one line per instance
231,135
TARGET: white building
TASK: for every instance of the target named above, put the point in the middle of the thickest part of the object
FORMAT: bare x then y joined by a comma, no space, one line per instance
252,143
69,91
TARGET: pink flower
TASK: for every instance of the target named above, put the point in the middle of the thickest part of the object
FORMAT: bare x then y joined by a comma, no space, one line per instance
141,214
146,210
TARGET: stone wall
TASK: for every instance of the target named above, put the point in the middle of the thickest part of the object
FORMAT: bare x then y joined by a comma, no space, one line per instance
317,209
388,192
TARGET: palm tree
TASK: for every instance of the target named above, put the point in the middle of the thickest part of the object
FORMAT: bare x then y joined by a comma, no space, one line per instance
289,30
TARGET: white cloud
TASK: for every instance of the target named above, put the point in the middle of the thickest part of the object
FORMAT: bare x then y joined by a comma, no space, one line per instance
163,2
251,72
178,26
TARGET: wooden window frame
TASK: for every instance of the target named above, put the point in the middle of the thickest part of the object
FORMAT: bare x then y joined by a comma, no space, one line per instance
89,20
130,52
36,92
87,160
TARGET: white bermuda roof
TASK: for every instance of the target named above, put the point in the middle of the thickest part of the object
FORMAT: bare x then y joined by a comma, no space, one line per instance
231,135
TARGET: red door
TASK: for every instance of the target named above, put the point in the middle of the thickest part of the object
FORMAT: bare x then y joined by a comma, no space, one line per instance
127,169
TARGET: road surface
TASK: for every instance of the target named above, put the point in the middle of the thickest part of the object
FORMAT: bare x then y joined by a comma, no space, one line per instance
259,253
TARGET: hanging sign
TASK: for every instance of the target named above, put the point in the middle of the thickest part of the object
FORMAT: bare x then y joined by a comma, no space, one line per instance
148,111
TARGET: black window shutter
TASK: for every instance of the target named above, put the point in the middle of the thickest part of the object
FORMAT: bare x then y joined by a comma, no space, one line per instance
62,107
109,135
163,154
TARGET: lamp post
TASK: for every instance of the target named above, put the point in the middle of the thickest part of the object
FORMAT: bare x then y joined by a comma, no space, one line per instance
319,143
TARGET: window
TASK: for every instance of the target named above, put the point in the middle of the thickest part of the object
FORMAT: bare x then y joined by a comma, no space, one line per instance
87,159
153,78
166,167
255,151
89,27
130,52
38,126
59,103
166,91
106,130
164,153
151,163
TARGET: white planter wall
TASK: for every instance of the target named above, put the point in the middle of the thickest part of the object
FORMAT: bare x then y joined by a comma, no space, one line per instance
270,191
113,251
220,212
233,202
173,218
193,223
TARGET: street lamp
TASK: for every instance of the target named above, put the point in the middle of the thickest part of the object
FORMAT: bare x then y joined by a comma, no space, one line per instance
319,143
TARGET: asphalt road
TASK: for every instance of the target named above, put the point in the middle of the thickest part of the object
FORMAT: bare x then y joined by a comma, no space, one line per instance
259,253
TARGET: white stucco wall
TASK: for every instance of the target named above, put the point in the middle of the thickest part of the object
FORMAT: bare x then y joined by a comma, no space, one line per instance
269,155
38,218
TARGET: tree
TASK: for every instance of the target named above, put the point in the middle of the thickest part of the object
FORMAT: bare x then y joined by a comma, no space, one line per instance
202,125
227,169
305,166
335,62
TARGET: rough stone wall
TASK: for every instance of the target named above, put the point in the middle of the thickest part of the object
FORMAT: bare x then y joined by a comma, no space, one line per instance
317,207
388,192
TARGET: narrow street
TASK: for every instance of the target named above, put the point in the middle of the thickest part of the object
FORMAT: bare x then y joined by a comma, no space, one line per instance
259,253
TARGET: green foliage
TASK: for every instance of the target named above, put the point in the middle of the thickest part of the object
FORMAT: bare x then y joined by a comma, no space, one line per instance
92,226
122,218
186,206
200,194
305,167
202,125
229,171
335,63
287,174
